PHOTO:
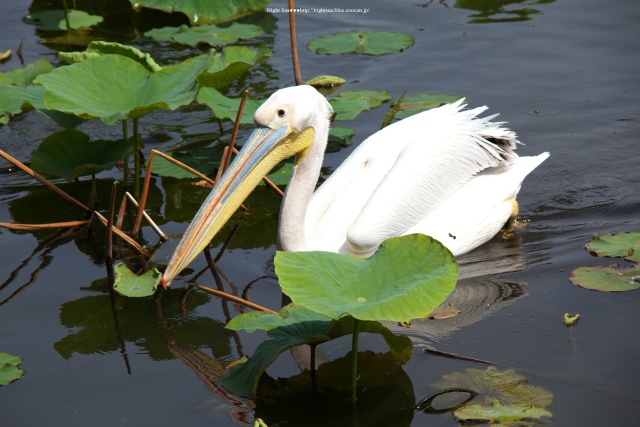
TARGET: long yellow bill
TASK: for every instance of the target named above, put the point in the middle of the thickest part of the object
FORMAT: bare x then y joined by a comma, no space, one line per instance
264,149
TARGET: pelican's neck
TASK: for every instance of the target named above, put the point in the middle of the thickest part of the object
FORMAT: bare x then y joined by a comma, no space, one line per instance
292,232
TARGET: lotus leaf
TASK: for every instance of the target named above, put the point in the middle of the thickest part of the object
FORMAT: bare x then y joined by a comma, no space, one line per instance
415,104
24,76
349,104
112,97
69,154
407,278
498,413
9,370
324,81
230,63
295,325
206,34
128,284
227,108
369,43
625,245
205,11
99,48
609,279
342,135
505,386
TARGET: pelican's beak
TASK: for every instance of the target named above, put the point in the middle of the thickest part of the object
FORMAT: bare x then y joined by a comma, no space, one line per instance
264,149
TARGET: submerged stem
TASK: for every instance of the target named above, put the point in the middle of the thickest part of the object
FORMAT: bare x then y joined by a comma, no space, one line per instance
354,359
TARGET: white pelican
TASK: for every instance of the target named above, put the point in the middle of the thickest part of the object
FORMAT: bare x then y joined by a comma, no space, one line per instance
445,173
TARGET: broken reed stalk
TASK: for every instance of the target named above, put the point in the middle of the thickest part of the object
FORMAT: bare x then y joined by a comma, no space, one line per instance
235,299
35,227
294,43
146,216
69,198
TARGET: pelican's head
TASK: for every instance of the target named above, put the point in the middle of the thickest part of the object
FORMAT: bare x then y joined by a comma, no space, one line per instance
284,128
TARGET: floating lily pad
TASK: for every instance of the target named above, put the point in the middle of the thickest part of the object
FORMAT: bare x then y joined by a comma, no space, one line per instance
70,154
498,413
9,370
505,386
325,81
204,11
415,104
114,87
347,105
227,108
341,135
212,35
233,61
52,20
621,244
295,325
407,278
369,43
609,279
128,284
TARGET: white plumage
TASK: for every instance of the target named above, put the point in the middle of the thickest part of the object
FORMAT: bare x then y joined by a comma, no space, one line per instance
445,172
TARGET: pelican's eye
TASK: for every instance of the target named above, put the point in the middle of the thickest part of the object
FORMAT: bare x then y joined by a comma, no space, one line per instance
281,113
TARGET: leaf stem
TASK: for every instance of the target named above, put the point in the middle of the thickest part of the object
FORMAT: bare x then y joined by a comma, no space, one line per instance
125,164
136,160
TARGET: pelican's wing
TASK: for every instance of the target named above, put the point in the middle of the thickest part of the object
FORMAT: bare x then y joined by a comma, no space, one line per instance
405,171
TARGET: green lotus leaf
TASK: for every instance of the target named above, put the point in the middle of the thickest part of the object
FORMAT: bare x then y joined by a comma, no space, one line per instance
608,279
349,104
415,104
99,48
293,326
621,244
69,154
9,370
505,386
17,94
369,43
204,11
324,81
341,135
114,87
231,63
206,34
128,284
227,108
498,413
407,278
18,99
24,76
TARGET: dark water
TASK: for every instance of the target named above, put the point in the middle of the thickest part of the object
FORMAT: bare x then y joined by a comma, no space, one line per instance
567,82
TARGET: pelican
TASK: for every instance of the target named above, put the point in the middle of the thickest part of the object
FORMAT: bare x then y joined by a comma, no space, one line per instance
445,172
